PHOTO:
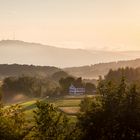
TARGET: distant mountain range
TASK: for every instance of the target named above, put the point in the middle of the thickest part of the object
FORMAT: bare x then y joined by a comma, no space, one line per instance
15,51
93,71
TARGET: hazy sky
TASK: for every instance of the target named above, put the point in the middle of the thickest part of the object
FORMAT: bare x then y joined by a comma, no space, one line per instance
96,24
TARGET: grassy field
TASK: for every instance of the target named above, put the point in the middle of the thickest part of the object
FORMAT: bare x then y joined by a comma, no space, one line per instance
70,110
68,104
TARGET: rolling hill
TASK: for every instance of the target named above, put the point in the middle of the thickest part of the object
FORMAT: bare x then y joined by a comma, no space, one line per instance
93,71
16,70
15,51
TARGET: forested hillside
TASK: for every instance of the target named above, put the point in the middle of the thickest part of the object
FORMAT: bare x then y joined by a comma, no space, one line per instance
28,70
131,75
19,82
102,69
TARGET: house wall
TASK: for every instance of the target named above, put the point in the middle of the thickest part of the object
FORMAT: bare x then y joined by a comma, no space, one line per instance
76,91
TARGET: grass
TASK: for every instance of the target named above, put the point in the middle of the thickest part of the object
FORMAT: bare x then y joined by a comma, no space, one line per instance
70,110
29,114
68,104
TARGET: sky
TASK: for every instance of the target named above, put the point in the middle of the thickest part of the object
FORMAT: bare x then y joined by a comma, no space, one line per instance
112,25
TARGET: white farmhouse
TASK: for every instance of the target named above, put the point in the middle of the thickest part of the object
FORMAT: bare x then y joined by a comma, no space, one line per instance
76,91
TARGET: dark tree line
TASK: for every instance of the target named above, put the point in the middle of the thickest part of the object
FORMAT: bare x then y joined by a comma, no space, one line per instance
77,82
29,86
15,70
41,87
115,115
132,75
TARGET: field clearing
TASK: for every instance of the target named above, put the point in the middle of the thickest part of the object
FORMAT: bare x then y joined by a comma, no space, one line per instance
67,104
78,96
27,104
70,110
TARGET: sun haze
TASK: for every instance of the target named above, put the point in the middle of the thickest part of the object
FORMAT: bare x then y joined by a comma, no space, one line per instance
89,24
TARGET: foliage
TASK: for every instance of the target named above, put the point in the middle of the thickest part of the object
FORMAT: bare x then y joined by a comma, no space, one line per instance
16,70
113,115
58,75
132,75
90,88
85,104
93,71
29,86
49,123
66,82
13,124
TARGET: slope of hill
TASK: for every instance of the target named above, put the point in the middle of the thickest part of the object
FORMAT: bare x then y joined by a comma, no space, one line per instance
14,51
29,70
102,69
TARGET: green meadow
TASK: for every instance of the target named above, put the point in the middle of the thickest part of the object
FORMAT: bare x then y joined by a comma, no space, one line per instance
67,104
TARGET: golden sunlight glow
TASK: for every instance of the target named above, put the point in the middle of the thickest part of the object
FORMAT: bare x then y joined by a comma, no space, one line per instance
94,24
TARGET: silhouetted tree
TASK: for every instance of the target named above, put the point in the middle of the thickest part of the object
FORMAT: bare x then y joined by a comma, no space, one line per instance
113,115
50,124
